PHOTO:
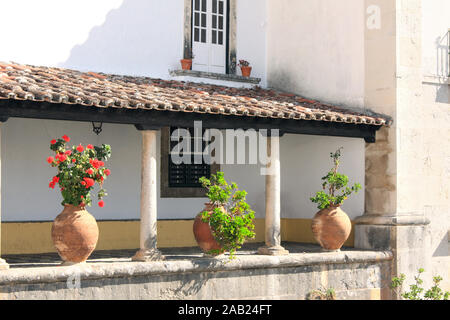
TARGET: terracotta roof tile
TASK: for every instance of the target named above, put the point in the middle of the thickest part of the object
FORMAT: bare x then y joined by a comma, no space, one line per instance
57,85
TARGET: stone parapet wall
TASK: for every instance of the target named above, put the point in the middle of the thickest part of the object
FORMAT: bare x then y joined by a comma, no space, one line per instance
352,274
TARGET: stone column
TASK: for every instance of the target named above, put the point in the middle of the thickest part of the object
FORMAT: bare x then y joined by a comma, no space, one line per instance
3,264
394,216
273,218
148,231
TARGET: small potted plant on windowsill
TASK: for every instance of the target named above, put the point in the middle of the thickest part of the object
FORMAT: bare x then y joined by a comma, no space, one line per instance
245,68
74,230
331,226
227,220
186,63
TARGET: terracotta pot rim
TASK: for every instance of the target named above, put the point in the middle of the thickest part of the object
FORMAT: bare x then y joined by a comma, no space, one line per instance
71,205
331,207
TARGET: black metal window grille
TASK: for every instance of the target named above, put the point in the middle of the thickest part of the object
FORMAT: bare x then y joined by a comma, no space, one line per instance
187,175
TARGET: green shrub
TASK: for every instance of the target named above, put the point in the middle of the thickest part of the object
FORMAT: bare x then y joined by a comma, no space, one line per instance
333,182
416,290
232,219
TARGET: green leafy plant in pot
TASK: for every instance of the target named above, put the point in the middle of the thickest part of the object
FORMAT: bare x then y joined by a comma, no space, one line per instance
331,226
227,219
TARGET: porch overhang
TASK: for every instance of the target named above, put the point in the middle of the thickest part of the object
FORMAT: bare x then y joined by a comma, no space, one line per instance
160,118
62,94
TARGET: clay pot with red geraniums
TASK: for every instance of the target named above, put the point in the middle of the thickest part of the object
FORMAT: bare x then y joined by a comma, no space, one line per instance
74,230
226,222
331,226
246,70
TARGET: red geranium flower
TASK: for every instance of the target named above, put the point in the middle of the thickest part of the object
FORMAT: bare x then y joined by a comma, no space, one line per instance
89,182
107,172
97,164
101,203
85,169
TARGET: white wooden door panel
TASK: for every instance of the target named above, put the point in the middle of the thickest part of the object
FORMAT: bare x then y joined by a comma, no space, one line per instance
209,35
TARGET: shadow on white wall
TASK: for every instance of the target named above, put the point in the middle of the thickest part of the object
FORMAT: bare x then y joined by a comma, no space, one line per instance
141,37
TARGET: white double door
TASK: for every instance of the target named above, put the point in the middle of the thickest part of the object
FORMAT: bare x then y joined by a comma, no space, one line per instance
209,19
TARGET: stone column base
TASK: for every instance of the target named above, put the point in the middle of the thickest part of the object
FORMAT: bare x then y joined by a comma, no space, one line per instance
3,265
145,255
273,251
408,237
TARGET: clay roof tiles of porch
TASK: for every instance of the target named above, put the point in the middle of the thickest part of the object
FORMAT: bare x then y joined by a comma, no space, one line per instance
65,86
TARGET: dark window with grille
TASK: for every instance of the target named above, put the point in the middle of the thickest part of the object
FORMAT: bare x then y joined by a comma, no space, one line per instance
185,175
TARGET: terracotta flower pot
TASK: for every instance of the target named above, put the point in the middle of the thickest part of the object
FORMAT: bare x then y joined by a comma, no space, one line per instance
246,71
331,228
74,234
203,233
186,64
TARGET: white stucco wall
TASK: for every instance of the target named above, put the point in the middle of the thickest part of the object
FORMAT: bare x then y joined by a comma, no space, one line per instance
436,131
251,36
137,37
131,37
316,49
26,174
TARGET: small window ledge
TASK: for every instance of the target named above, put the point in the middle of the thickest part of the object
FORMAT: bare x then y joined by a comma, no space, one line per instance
214,76
434,79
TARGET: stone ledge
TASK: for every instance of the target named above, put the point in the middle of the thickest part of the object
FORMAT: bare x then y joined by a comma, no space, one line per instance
215,76
438,80
394,220
196,265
